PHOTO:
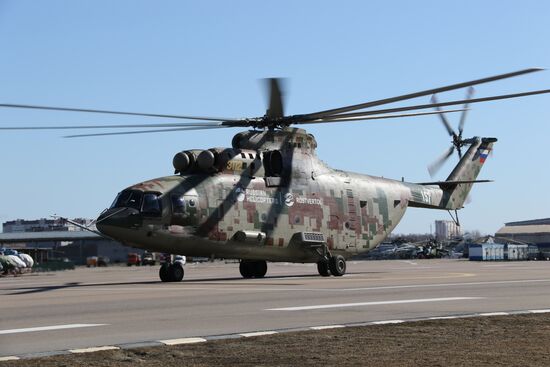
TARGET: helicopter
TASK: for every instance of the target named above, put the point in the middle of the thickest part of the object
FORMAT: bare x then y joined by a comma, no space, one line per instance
269,198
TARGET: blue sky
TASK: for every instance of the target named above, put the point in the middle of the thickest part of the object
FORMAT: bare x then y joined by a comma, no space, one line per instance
205,58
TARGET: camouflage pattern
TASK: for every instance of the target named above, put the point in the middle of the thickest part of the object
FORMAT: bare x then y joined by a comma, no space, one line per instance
270,198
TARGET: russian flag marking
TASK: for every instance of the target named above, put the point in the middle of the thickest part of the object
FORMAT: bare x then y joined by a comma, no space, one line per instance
483,154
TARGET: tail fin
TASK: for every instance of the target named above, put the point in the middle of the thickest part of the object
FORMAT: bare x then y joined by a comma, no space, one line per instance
467,169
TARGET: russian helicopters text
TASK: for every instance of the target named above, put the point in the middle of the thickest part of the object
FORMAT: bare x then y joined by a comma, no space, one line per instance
270,198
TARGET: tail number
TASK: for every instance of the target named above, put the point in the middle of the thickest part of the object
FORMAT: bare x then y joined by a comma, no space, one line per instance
426,197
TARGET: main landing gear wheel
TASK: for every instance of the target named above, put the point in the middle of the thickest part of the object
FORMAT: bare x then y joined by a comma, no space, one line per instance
253,269
323,268
171,272
337,265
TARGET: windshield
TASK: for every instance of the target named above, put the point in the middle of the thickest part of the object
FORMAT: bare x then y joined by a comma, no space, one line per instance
148,203
128,199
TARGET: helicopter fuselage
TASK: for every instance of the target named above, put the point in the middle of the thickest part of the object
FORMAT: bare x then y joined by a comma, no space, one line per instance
267,198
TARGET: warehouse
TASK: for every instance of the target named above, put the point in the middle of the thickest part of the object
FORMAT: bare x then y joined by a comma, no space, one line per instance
536,231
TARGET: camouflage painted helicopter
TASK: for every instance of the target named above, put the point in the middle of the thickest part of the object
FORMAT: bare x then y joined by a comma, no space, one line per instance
270,198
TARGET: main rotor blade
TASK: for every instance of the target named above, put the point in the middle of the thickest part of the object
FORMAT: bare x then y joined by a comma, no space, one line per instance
380,117
67,109
379,102
469,95
148,131
442,104
276,107
438,163
444,120
67,127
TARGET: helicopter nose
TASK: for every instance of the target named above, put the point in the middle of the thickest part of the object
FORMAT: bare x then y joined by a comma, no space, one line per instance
112,220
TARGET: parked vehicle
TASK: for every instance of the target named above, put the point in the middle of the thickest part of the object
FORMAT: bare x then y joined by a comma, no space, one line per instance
133,259
147,259
180,259
91,261
103,261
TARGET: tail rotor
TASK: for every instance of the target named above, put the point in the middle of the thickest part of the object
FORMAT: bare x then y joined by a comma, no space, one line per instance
458,142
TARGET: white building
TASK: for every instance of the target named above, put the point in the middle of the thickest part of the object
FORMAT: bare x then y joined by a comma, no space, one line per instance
446,229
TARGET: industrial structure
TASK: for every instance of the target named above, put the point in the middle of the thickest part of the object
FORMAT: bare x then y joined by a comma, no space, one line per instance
536,231
56,238
446,230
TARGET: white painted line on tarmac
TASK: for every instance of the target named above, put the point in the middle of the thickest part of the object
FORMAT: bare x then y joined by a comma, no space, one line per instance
540,311
375,303
182,341
93,349
494,314
9,358
443,317
47,328
440,285
326,327
386,322
259,333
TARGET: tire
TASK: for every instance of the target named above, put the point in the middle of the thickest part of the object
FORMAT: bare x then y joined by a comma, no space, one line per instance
323,268
176,272
253,269
260,268
337,265
245,267
164,273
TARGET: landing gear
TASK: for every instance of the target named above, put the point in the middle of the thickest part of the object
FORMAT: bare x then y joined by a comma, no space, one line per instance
171,272
253,269
328,263
323,268
337,265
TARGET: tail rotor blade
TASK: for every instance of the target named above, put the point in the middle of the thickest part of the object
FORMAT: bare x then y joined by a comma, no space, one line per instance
443,118
469,95
435,166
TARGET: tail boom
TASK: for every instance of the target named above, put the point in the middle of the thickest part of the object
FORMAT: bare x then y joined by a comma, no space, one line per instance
452,193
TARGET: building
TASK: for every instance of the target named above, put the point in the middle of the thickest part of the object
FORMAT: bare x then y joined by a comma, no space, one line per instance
57,238
446,229
43,225
536,231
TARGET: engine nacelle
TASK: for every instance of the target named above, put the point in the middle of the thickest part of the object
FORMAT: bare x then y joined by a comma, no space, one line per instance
185,161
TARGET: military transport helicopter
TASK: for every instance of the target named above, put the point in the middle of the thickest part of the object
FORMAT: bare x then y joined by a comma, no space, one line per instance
270,198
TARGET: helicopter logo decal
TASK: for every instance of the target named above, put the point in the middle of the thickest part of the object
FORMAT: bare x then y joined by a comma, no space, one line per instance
289,199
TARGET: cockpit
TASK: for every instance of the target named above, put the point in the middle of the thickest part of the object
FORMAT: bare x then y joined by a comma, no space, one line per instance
148,203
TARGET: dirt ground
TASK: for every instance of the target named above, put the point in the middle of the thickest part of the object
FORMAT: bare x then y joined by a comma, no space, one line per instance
522,340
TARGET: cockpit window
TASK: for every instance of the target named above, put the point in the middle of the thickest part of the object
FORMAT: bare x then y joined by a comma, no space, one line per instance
178,204
128,199
151,204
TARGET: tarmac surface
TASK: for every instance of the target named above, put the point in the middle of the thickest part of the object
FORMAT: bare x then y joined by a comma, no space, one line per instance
48,312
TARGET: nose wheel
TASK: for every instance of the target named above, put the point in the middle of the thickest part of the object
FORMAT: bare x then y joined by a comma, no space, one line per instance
253,269
171,272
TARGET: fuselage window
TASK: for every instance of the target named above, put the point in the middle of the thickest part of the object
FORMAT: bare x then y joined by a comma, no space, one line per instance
178,204
151,204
